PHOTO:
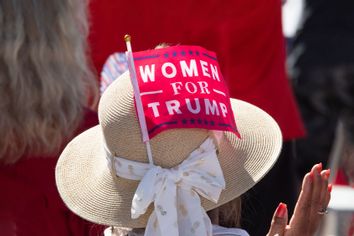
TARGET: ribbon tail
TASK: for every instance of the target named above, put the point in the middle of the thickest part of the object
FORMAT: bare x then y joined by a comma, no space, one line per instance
193,219
144,194
152,227
165,209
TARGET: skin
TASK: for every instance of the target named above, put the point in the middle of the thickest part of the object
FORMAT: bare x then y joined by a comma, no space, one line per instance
314,196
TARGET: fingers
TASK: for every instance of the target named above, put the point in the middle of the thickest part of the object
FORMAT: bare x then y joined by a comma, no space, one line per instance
320,197
303,206
313,199
329,190
317,195
325,193
279,221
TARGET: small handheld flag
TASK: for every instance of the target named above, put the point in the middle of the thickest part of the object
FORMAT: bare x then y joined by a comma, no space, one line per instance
139,106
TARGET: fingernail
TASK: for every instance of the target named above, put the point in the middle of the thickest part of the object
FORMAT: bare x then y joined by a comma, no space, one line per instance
311,175
319,167
327,173
330,187
281,210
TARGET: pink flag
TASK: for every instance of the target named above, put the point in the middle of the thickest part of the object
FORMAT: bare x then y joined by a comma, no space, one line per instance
182,87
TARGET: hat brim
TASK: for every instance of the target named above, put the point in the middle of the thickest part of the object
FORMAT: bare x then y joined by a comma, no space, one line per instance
90,190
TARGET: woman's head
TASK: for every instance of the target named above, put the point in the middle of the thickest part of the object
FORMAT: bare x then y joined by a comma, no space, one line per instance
197,165
110,156
45,79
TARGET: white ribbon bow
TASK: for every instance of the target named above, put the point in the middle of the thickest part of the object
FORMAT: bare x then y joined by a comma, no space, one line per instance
174,191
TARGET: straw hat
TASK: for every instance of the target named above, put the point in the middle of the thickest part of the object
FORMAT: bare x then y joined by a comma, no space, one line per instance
89,187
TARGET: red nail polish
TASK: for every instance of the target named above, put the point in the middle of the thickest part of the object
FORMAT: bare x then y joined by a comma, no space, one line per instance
281,210
330,187
319,167
327,173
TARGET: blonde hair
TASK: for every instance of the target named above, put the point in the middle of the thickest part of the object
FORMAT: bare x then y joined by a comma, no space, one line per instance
45,78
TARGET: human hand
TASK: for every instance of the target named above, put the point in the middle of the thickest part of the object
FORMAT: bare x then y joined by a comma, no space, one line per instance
310,207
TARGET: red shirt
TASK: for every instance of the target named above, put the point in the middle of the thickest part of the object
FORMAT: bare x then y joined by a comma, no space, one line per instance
341,178
245,34
29,201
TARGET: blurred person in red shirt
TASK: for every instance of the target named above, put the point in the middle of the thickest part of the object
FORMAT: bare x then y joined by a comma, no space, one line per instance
247,37
45,85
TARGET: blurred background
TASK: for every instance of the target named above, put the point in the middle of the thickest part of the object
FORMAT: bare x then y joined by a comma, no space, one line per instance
292,58
320,63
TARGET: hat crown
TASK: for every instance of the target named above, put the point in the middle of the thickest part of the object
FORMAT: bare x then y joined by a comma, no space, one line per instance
121,130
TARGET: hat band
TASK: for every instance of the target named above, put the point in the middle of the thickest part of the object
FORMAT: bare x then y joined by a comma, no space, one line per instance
175,192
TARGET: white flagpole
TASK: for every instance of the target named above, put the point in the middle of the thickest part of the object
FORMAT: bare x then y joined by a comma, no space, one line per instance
139,105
